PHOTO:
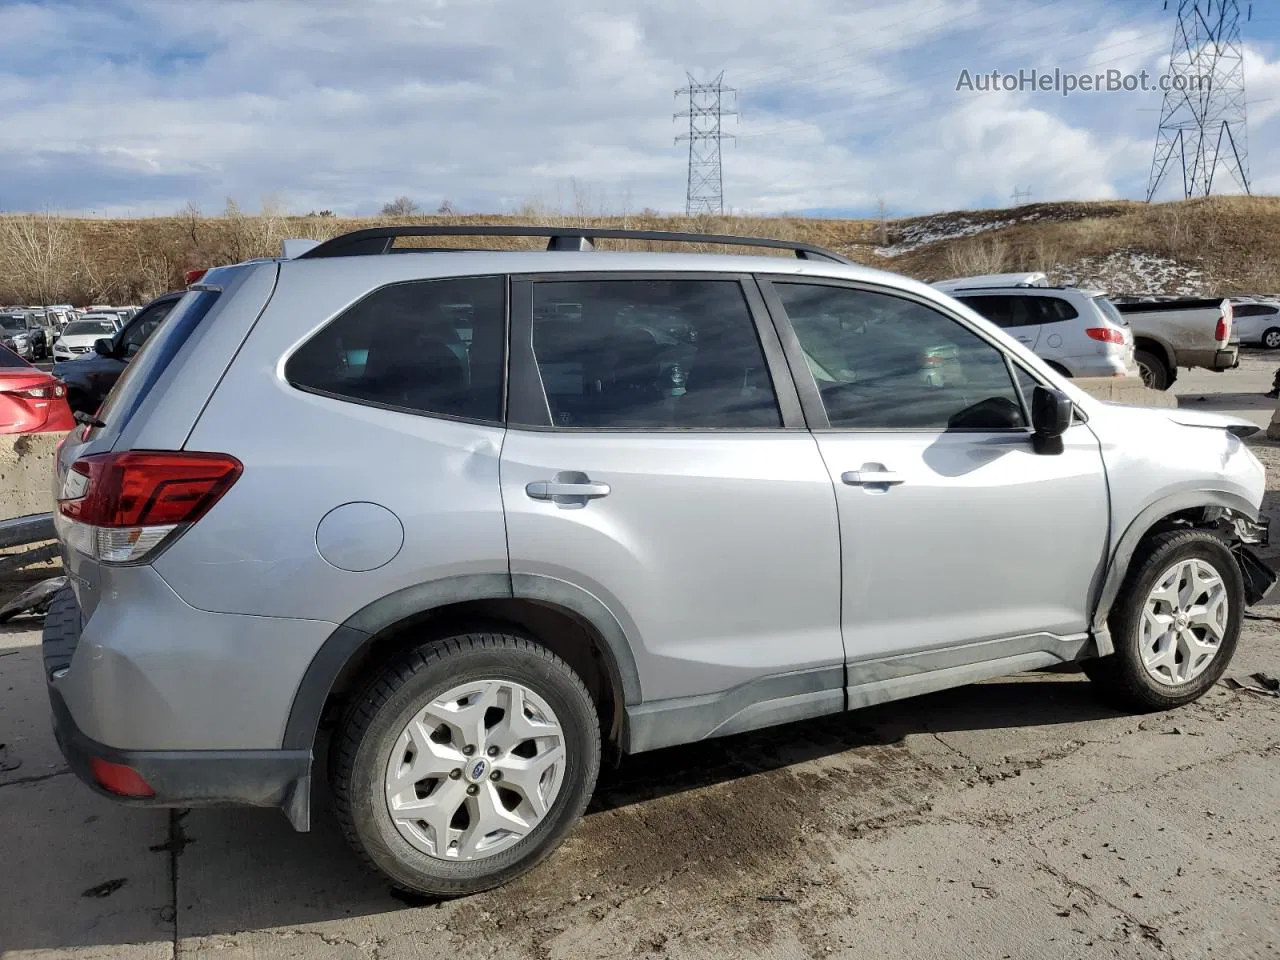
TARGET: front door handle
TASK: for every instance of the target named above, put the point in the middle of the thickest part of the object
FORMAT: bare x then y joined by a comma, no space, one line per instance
550,489
871,478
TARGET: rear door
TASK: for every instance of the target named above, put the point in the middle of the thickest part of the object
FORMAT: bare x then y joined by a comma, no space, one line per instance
1013,313
960,543
656,457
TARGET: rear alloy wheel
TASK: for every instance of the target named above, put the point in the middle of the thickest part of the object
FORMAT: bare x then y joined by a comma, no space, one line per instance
1175,623
466,762
1271,338
1154,371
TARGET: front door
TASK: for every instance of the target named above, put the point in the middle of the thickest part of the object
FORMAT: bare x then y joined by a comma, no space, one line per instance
651,462
955,532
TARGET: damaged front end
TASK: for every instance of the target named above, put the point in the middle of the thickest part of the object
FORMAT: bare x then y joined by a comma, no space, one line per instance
1243,534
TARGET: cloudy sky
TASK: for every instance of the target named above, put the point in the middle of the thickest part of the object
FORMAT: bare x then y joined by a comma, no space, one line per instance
136,107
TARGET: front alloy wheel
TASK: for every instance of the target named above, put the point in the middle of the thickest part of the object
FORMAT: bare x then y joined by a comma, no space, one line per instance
1175,622
1184,622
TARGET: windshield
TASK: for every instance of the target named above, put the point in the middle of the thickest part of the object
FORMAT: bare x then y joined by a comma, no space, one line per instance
83,327
12,323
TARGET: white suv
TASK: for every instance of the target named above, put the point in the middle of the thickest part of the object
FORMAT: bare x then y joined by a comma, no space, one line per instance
1077,332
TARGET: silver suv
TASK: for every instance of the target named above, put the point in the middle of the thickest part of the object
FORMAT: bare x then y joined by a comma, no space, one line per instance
1077,332
469,520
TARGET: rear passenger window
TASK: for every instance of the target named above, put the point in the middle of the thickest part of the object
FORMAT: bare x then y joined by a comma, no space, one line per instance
651,354
1053,309
428,346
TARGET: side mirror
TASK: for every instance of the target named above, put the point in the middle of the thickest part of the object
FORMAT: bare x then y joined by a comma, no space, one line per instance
104,346
1051,412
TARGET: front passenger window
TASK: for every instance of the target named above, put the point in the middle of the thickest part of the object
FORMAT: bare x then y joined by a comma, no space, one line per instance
886,363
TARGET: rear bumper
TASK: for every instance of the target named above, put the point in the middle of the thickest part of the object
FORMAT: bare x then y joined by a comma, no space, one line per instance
177,778
194,778
1227,359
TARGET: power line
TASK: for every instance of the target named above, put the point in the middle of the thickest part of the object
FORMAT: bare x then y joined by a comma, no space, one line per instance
1202,120
705,190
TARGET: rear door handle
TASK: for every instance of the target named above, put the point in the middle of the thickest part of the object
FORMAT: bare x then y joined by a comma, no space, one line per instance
550,489
868,478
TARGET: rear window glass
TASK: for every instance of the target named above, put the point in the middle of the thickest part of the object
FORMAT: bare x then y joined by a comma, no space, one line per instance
1110,312
155,356
427,346
10,360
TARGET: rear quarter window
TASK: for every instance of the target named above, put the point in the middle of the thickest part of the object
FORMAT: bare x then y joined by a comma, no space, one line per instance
434,347
155,356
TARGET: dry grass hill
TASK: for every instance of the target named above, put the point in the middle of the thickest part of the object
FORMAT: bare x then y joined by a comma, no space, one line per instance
1211,246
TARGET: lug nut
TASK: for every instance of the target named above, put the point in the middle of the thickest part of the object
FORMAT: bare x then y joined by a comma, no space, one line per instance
493,751
455,774
472,790
468,750
496,775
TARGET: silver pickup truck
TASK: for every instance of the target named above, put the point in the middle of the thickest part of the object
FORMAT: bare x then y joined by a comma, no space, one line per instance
1173,332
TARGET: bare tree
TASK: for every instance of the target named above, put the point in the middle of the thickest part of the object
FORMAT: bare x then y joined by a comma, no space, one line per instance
882,222
446,208
40,255
976,257
399,207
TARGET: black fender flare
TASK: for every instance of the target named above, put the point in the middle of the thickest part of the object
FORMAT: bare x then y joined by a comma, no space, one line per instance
1133,535
355,633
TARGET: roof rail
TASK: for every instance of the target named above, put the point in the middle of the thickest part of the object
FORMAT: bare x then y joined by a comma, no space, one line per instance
380,240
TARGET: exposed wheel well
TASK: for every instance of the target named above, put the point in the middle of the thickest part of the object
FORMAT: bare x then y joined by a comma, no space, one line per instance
564,633
1058,368
1159,350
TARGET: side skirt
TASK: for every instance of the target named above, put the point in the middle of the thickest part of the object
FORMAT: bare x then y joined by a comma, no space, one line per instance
769,701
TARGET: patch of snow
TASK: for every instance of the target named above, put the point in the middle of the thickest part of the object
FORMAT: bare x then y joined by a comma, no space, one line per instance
942,226
1133,273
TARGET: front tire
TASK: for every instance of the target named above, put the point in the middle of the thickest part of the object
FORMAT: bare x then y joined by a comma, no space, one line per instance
465,762
1271,338
1175,623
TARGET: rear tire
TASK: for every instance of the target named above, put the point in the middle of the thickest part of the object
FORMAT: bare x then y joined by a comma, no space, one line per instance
465,828
1154,371
1271,338
1161,660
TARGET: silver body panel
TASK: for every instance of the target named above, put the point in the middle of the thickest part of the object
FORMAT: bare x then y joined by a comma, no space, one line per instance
736,579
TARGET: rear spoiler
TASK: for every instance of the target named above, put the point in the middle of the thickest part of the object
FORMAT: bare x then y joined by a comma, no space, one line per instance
1188,303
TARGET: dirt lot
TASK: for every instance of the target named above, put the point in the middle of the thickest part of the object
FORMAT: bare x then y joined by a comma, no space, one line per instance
1015,819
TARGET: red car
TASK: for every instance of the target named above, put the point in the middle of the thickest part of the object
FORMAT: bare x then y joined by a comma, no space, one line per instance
31,401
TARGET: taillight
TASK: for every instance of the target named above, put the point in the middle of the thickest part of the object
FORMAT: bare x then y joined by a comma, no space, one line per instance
119,507
1106,334
1223,331
194,276
47,392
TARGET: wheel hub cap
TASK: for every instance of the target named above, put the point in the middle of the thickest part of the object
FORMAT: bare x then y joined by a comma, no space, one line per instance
1184,622
476,770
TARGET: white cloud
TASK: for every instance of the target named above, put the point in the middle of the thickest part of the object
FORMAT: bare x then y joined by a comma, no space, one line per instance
138,105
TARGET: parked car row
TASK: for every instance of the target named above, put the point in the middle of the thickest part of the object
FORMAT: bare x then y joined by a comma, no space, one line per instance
1088,333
